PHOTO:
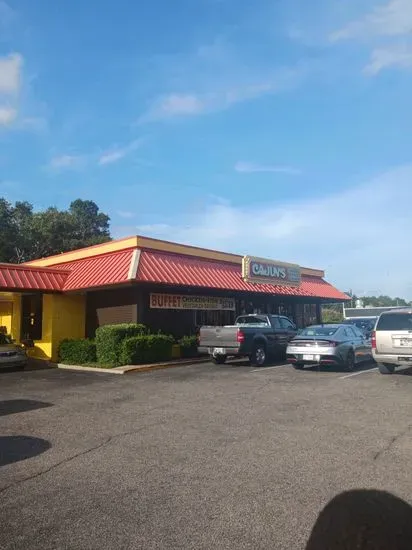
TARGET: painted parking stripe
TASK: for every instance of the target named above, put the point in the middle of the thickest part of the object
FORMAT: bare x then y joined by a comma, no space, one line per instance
358,373
261,369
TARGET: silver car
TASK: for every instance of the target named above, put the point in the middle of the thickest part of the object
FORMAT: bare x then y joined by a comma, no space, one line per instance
340,345
392,340
11,355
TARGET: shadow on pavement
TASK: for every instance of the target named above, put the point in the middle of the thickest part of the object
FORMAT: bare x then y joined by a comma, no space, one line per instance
405,372
246,363
364,367
13,406
20,447
363,520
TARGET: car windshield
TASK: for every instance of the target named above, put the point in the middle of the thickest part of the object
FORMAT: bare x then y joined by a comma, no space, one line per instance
363,324
4,340
318,331
395,321
252,321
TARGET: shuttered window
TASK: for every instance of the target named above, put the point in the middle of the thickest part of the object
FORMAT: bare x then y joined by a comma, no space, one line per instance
116,315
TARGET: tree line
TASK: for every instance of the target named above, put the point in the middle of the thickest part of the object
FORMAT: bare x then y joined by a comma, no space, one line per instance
26,234
378,301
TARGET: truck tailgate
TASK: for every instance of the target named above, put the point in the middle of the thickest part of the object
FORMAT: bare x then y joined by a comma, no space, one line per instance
219,337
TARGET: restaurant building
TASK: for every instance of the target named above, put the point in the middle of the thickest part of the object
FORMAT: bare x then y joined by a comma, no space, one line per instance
167,286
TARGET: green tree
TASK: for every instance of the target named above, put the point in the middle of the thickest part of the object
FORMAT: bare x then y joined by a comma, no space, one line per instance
331,315
89,225
51,232
7,235
23,228
26,235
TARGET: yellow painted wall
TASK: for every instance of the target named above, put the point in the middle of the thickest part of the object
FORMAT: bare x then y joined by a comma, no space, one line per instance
63,317
16,318
6,314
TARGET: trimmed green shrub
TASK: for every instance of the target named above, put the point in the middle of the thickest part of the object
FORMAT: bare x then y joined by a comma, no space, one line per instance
148,348
109,340
188,346
77,352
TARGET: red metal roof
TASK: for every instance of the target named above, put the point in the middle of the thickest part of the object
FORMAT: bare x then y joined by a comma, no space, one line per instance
173,269
19,277
97,271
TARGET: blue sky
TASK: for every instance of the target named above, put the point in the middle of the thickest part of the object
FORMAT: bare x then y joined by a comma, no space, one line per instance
279,128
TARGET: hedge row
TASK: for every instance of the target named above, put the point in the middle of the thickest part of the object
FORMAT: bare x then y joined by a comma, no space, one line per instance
188,346
124,344
148,348
109,340
77,352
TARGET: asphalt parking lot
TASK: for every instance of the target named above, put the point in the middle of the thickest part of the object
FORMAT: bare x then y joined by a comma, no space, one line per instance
197,457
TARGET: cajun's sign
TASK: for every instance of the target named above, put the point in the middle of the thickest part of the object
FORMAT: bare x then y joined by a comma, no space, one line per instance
259,270
180,301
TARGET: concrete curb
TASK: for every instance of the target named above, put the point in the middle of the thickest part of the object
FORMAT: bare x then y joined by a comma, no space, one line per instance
137,368
87,369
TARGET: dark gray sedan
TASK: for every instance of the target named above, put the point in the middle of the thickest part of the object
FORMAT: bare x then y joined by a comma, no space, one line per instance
341,345
11,355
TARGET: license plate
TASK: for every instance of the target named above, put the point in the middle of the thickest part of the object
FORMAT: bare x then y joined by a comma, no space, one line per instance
308,357
405,342
219,351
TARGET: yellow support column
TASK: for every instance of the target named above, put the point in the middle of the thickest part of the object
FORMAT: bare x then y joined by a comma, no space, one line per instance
15,328
63,317
6,315
69,319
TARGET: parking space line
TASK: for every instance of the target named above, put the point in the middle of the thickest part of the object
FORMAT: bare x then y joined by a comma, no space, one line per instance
261,369
357,373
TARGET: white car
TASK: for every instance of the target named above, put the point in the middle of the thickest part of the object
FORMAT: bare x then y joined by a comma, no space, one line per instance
11,355
392,340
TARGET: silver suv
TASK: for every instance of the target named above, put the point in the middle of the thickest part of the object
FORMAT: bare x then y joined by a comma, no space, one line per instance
392,340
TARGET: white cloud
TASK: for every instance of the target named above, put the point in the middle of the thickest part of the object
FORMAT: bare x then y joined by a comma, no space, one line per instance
7,115
10,84
391,19
175,105
117,153
387,30
250,168
67,162
125,214
184,105
214,78
10,73
382,58
357,235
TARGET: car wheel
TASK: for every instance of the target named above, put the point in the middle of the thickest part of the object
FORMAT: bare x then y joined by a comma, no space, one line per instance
350,361
219,359
386,368
258,357
298,366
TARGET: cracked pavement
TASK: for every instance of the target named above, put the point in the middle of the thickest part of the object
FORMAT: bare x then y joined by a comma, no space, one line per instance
194,457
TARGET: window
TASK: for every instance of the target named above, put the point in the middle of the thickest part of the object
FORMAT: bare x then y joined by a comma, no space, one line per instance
350,332
285,323
358,332
214,318
395,321
275,322
318,331
255,321
31,320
